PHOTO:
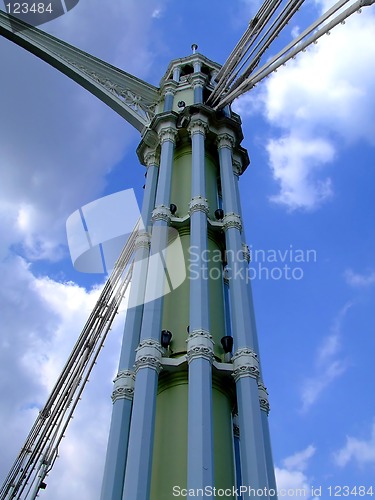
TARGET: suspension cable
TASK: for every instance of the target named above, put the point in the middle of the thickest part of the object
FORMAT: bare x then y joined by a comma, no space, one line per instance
256,25
231,83
39,453
291,50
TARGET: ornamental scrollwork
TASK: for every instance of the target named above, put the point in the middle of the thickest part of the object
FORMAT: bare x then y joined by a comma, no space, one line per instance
134,101
124,385
237,168
198,127
225,141
263,397
168,134
198,204
152,158
232,220
200,345
148,355
245,364
161,213
143,240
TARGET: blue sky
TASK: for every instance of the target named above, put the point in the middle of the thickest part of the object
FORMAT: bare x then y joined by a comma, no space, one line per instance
310,186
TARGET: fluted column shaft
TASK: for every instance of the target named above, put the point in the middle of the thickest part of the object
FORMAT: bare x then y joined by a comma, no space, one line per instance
170,90
198,81
114,470
245,362
200,344
148,358
263,395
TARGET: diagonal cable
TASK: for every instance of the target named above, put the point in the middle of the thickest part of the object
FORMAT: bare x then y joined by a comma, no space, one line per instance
39,452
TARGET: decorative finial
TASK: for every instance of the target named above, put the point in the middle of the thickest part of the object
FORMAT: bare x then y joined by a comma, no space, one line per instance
194,48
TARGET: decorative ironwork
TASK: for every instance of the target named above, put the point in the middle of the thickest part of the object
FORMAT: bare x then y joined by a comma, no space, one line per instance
124,385
245,364
200,345
135,101
149,354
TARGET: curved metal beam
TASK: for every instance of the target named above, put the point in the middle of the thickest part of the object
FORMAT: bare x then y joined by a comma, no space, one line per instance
131,97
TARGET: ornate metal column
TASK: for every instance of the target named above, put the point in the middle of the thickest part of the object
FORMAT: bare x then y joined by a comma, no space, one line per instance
196,395
122,396
149,352
245,362
263,394
199,343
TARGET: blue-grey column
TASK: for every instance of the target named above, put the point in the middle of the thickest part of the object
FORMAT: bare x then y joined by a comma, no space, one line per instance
198,81
265,409
122,396
149,352
236,172
245,361
176,74
169,92
263,395
199,342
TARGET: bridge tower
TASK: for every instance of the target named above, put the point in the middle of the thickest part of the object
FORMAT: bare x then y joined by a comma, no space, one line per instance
190,411
189,405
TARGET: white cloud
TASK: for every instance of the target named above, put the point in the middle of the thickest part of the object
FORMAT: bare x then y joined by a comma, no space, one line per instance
58,143
321,89
295,31
300,459
61,143
292,476
322,101
328,365
359,280
41,320
293,481
361,451
295,164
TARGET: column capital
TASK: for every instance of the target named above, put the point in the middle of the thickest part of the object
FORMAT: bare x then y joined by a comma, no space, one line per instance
232,220
161,212
148,355
198,204
200,345
170,87
225,140
198,126
198,79
263,397
152,157
124,385
168,134
237,168
143,240
245,364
